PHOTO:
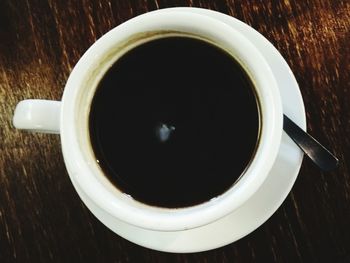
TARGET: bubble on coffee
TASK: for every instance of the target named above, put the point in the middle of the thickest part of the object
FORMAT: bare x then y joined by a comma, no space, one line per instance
164,131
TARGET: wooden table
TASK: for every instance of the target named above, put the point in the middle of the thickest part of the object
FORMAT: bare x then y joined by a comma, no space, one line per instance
42,218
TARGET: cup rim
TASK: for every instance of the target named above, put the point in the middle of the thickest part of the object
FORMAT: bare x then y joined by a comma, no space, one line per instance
82,172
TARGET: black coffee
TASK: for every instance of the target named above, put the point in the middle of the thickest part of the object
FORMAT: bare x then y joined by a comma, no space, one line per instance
174,122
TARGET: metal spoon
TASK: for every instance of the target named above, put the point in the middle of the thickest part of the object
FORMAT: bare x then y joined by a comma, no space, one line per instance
322,157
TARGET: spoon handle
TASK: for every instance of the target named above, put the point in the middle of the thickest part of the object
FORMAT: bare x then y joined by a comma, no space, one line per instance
322,157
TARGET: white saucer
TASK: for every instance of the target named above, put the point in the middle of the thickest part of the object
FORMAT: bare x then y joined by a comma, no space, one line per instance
259,207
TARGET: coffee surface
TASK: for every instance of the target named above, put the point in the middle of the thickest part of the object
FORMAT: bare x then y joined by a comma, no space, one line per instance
174,122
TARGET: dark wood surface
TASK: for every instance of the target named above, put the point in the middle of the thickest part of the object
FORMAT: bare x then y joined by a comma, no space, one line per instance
42,218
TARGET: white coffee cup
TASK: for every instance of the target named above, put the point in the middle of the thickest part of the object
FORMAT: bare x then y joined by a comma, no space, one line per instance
70,117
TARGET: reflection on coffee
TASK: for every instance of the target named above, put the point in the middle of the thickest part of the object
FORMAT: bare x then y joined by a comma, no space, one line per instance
174,122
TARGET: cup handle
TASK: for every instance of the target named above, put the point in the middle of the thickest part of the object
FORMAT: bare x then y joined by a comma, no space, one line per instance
38,116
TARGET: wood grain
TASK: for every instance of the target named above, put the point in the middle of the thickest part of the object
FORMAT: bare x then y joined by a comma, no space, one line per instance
41,217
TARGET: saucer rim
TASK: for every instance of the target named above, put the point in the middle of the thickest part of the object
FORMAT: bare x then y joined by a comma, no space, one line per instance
134,234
